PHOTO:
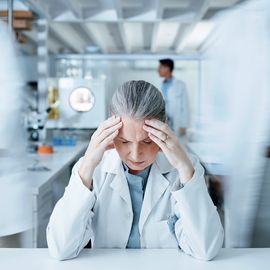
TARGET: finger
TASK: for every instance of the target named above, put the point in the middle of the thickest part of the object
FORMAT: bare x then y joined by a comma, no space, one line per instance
107,124
159,134
159,125
101,126
107,132
158,141
106,142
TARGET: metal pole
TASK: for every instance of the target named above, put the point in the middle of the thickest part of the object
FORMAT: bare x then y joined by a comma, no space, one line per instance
10,15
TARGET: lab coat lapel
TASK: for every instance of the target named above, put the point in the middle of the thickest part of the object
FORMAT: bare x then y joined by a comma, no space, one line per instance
155,188
120,185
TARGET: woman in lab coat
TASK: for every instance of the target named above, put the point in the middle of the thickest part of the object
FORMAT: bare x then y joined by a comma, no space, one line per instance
135,187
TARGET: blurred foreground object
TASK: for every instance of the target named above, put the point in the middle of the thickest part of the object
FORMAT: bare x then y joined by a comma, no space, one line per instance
238,115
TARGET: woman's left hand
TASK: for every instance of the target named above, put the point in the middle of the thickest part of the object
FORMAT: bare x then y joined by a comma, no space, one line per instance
164,137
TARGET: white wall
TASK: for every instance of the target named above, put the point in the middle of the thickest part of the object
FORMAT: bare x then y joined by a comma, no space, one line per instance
117,72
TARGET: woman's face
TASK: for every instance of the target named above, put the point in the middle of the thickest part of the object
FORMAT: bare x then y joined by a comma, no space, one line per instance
134,146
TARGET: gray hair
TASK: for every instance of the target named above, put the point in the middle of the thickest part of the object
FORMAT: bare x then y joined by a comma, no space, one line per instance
139,100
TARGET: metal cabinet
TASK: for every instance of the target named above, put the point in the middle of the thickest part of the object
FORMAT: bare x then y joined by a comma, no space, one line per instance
43,204
42,209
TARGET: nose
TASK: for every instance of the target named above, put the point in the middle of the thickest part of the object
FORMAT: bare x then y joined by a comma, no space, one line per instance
135,152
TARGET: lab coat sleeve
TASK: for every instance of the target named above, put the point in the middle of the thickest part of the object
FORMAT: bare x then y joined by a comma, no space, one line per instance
181,107
69,228
198,229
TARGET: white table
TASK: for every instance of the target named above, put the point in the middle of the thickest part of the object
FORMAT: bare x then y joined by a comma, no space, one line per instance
139,259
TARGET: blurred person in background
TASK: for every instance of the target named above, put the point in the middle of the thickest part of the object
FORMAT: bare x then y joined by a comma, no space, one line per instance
238,118
176,98
12,140
12,134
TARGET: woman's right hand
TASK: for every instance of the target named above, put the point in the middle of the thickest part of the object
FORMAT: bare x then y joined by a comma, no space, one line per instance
101,140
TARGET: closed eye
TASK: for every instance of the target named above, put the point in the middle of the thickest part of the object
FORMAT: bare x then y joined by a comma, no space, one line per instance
145,142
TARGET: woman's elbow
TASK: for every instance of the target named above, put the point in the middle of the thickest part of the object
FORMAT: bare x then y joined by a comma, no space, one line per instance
58,249
60,254
213,247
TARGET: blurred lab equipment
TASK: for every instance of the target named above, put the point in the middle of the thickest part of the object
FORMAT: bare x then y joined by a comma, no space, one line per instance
81,103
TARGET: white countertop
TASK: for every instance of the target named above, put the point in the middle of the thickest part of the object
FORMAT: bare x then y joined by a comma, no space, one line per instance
63,156
134,259
19,185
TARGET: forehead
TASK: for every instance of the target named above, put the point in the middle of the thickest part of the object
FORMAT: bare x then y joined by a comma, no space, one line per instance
132,130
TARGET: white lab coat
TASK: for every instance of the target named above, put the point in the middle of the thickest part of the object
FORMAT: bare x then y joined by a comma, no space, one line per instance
105,215
177,105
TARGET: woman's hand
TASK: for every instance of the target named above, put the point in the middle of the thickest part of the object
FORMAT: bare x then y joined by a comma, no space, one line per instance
101,140
163,136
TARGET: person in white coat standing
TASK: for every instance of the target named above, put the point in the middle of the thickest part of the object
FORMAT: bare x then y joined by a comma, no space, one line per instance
176,98
135,187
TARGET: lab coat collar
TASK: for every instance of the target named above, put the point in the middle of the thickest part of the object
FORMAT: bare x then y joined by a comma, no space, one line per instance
112,163
169,80
155,188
